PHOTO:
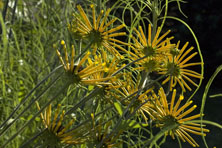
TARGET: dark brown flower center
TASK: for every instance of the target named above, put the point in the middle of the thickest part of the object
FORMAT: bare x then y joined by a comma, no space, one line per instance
150,65
149,51
173,69
96,37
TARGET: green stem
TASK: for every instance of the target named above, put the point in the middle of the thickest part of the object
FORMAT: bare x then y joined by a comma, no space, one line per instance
88,120
165,14
84,50
98,7
119,121
204,121
216,95
84,100
40,111
198,48
205,97
30,104
27,143
207,88
118,71
28,95
152,141
154,18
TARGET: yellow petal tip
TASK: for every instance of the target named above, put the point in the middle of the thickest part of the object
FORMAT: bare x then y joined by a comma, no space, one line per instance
62,42
181,97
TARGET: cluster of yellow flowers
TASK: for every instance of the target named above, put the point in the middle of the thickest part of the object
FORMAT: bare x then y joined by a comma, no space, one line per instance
152,54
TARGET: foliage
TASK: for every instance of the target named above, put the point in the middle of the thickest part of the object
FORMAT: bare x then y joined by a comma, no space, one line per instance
123,80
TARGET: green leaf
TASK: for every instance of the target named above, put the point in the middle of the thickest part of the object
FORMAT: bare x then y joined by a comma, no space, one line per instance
91,87
118,108
135,124
37,119
22,118
29,117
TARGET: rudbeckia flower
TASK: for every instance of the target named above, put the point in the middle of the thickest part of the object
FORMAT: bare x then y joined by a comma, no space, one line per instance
87,71
56,132
167,114
178,70
156,50
97,30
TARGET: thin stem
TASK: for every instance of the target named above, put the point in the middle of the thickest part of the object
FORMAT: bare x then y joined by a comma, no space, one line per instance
86,48
198,48
154,18
3,15
159,135
145,87
30,104
5,9
10,31
84,100
28,95
137,95
205,97
84,122
98,7
28,122
119,121
165,14
26,144
118,71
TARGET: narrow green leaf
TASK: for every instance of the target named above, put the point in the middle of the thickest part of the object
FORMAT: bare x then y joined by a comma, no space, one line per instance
118,108
37,119
91,87
29,117
135,124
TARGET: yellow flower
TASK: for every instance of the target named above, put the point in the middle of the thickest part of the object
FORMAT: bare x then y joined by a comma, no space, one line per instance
86,71
177,68
110,66
56,132
128,87
156,50
169,114
97,32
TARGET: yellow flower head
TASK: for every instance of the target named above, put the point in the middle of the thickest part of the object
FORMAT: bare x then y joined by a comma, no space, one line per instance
178,70
171,114
56,132
97,30
129,87
88,71
156,50
110,66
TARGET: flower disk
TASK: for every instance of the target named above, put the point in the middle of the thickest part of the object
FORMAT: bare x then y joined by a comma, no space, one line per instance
97,31
155,50
172,114
88,71
56,133
177,68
